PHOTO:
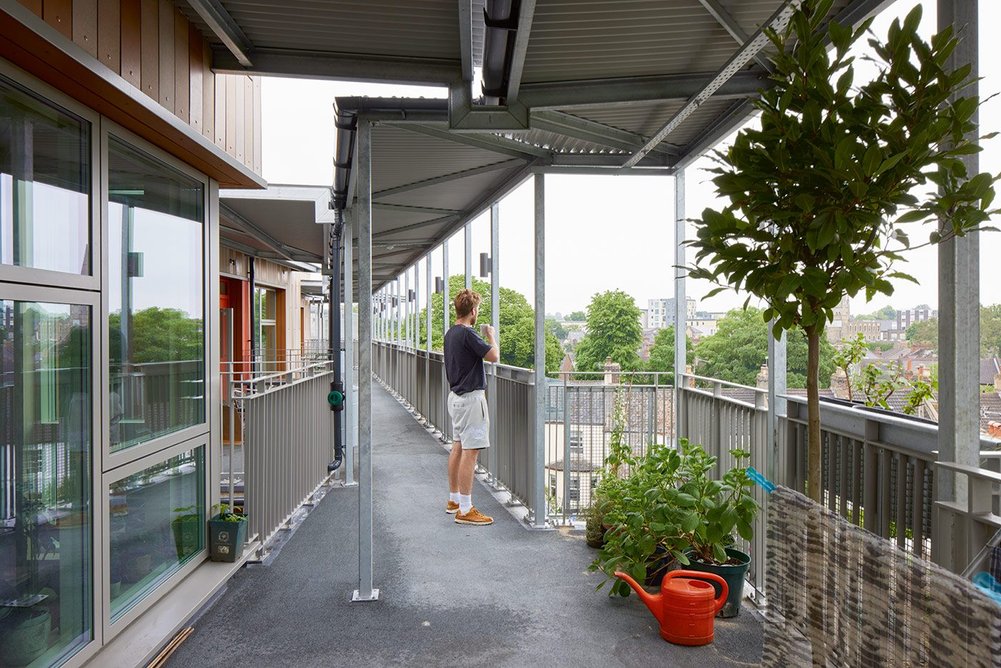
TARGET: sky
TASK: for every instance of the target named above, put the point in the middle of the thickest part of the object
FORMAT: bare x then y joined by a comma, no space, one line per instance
606,232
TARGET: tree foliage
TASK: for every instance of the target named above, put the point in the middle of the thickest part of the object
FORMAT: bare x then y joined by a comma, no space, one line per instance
158,335
739,348
517,324
925,333
662,352
577,316
820,197
613,330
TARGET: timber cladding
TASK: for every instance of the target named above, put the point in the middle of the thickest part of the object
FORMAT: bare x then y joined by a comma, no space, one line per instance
153,47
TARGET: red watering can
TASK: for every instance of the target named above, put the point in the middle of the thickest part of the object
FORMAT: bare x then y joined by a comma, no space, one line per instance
685,606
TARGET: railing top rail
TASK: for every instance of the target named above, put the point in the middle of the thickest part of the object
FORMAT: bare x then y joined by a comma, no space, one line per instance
314,371
723,383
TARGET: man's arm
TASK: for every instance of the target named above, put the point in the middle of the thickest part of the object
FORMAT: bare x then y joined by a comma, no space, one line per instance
492,355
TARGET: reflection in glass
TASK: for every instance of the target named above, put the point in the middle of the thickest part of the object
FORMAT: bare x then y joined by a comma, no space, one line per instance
157,524
156,298
44,184
45,471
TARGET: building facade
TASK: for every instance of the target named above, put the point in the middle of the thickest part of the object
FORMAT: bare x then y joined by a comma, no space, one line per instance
660,312
115,137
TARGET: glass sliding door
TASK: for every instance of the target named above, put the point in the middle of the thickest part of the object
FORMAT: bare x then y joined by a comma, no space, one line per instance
46,500
156,284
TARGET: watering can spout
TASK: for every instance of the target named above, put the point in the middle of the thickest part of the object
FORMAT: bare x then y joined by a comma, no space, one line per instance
651,601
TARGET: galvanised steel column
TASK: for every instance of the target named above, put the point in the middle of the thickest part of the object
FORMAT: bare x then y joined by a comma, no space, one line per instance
680,307
777,375
427,341
406,308
351,419
468,237
415,314
365,591
495,322
539,460
444,427
959,303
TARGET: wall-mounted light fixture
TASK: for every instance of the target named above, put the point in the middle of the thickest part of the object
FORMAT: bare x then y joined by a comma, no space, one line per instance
484,265
411,295
439,285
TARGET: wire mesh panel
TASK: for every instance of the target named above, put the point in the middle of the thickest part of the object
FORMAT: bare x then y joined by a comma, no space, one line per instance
841,596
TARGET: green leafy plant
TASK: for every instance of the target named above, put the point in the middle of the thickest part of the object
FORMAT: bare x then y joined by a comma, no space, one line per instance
643,515
714,511
821,195
223,512
668,504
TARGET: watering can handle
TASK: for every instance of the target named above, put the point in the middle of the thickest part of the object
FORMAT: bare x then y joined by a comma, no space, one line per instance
701,575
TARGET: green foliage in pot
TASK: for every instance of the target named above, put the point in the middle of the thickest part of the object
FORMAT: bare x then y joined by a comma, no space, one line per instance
669,504
643,513
712,511
227,515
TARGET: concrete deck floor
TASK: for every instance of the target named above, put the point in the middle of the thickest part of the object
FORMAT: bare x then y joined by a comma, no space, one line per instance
451,595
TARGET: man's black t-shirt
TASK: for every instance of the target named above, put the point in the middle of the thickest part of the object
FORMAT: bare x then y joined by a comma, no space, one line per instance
464,351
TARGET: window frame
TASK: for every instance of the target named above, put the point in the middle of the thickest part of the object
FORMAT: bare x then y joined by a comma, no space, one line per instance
48,277
120,458
110,628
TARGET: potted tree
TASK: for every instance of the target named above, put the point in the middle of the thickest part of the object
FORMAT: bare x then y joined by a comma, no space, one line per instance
820,195
713,512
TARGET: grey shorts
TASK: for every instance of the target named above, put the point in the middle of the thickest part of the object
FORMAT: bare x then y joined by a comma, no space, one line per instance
470,421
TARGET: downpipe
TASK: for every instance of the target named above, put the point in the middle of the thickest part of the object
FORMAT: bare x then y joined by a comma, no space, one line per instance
335,398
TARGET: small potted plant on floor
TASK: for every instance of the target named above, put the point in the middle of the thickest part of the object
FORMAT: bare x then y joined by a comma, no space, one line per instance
227,534
643,514
713,512
187,529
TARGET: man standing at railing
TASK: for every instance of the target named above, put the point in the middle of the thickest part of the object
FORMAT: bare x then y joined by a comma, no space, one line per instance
465,353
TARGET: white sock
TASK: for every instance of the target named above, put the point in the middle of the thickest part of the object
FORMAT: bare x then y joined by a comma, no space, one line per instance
453,497
465,503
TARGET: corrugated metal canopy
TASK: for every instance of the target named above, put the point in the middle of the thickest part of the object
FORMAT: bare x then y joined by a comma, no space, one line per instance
581,84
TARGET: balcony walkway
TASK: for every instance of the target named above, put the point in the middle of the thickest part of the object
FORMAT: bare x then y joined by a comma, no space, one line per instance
451,595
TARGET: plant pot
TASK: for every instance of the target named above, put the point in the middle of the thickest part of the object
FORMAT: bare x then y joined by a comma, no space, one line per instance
594,534
25,640
733,574
657,567
226,539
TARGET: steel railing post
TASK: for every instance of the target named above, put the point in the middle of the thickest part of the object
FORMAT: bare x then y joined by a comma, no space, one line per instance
539,463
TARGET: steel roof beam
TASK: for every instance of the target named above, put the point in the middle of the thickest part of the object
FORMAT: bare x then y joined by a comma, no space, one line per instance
466,39
485,141
225,28
728,23
725,123
777,22
609,160
413,226
446,178
325,65
590,131
526,13
630,90
416,209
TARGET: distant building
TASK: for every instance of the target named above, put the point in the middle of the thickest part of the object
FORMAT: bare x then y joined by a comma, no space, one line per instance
660,312
919,314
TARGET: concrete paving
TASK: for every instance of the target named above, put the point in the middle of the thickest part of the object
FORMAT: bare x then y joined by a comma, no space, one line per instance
451,595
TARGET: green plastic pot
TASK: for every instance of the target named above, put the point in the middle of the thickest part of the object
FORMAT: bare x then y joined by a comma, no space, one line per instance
26,640
226,539
733,575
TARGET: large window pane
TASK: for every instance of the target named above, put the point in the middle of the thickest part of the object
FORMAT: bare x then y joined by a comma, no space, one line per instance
44,184
157,310
45,494
157,524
